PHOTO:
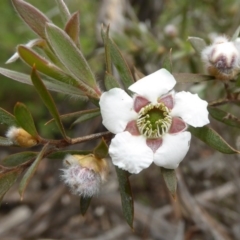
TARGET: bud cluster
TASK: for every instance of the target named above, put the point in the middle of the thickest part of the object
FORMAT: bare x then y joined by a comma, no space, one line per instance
222,58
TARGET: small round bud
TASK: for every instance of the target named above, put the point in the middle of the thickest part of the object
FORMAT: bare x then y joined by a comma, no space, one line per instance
222,59
171,31
84,174
20,137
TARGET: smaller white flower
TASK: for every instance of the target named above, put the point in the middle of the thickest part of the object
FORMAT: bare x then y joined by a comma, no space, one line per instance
150,127
222,58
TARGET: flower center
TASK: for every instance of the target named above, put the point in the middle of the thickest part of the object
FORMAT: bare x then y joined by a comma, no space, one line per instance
154,120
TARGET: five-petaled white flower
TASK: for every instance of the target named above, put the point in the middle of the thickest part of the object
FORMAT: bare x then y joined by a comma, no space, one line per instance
150,127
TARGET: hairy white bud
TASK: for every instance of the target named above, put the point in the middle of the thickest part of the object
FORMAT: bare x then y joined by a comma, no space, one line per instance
222,58
84,174
20,137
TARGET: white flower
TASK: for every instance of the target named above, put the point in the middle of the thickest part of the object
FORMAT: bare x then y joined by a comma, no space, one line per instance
150,127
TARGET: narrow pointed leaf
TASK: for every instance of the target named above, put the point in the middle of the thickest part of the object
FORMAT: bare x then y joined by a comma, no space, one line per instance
224,117
86,117
84,204
30,172
110,82
72,28
197,43
30,44
7,180
120,64
101,150
51,84
63,9
126,195
212,139
35,19
70,55
105,37
5,142
236,34
44,66
191,77
7,118
169,176
18,158
24,119
47,99
69,116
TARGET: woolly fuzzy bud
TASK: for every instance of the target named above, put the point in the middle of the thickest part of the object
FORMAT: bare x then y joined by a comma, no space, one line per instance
222,58
20,137
84,174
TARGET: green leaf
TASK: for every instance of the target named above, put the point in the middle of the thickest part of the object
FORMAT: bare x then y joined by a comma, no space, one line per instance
63,9
18,158
169,176
224,117
101,150
85,117
236,34
35,19
24,119
61,154
126,195
120,63
110,81
212,139
47,99
70,55
7,180
30,172
33,43
105,37
7,118
44,66
85,113
197,43
84,204
5,142
191,77
50,83
72,28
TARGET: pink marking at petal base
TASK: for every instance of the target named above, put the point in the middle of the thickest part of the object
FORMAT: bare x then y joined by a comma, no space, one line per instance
132,128
154,144
178,125
139,103
168,101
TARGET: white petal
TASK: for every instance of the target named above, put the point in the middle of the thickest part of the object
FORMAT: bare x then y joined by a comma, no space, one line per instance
191,108
174,148
117,110
154,85
130,152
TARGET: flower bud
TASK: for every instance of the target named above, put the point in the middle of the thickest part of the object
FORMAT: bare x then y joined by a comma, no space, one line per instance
20,137
171,31
84,174
222,58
